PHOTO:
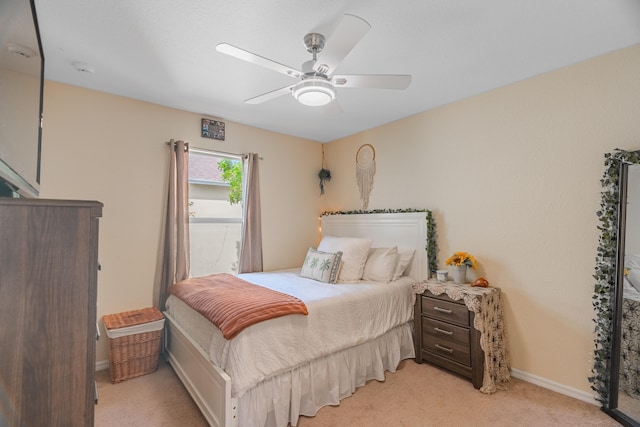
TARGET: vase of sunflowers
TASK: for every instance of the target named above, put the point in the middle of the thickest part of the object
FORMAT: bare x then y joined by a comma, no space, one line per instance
460,262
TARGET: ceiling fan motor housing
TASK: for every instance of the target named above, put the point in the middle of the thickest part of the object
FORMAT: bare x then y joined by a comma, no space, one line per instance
314,42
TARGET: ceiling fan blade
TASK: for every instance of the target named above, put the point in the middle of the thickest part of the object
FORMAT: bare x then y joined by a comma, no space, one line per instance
245,55
376,81
269,95
349,32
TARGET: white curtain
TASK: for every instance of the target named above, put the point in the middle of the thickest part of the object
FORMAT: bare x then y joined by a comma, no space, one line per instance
251,240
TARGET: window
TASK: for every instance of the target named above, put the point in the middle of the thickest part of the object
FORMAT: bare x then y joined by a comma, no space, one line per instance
215,212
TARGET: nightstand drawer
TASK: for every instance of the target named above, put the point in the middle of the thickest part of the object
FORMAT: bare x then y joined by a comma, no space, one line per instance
445,331
444,310
447,349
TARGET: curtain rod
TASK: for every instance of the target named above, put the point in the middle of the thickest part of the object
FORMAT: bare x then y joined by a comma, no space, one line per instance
211,151
173,141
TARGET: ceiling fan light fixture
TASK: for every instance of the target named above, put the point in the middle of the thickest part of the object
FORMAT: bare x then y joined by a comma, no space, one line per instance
314,92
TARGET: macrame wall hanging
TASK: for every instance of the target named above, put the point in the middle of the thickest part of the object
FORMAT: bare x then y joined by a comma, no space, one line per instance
365,170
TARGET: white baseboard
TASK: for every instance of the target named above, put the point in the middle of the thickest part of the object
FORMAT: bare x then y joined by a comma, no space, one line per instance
102,365
553,386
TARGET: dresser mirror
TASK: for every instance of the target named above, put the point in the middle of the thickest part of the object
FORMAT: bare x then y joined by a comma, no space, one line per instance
616,376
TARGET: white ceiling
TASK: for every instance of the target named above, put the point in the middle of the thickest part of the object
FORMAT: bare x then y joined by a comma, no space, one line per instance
163,51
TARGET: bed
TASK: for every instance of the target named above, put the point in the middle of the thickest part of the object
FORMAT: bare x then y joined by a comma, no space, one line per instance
269,374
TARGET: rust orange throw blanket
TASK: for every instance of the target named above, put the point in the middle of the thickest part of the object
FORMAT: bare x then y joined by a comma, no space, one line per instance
233,304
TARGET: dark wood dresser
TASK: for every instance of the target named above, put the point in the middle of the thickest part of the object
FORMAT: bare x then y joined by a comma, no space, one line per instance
448,334
48,278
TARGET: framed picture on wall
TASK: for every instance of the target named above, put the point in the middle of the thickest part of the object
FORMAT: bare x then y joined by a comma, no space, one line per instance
213,129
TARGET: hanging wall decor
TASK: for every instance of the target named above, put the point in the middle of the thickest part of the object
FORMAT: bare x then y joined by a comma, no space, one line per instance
365,170
213,129
324,174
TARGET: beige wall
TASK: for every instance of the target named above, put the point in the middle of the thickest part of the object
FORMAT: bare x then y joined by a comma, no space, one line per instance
20,120
112,149
512,176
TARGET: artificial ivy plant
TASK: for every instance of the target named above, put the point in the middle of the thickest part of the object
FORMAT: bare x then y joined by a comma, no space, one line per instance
431,245
606,269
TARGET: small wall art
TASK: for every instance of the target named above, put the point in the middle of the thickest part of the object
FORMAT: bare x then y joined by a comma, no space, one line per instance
213,129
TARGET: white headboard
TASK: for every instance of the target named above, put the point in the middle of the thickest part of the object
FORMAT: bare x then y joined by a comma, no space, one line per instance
405,230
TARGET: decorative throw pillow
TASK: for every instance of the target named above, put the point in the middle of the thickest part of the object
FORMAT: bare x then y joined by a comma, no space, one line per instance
404,259
354,255
381,264
321,266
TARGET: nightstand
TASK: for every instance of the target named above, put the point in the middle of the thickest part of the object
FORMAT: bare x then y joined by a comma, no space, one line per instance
461,328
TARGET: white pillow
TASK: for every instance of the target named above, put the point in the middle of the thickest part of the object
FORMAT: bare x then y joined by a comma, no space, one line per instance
404,259
354,255
381,264
321,266
632,264
634,277
632,261
628,287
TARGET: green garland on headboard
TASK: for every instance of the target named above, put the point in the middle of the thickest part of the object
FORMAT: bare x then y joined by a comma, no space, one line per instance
606,271
431,245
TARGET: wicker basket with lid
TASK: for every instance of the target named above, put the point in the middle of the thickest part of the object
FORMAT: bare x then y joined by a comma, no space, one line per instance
134,342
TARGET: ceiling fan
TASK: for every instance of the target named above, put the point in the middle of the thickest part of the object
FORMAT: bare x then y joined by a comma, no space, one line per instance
317,82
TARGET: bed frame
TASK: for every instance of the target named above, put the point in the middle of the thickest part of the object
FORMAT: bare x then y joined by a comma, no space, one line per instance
210,386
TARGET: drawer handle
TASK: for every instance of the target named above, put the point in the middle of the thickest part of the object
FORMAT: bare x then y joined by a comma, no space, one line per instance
442,310
447,349
442,331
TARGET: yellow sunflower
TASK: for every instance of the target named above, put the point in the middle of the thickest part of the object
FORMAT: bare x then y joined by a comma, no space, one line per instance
462,258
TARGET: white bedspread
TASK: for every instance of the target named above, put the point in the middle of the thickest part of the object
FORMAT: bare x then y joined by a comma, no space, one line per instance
340,316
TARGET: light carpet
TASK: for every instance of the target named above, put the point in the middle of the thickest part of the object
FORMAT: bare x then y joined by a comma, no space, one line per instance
415,395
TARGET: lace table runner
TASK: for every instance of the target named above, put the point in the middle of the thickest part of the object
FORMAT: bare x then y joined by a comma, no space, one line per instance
486,303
